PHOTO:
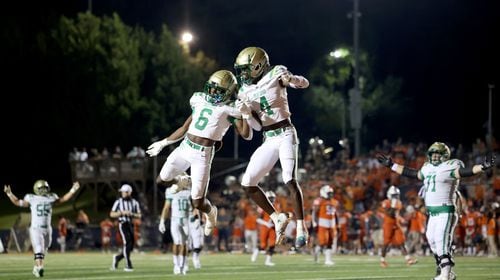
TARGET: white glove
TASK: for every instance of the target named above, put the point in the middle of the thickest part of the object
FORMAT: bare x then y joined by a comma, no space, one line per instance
286,79
161,226
155,148
245,111
183,181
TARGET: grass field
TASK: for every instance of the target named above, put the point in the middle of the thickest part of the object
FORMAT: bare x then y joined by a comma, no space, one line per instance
238,266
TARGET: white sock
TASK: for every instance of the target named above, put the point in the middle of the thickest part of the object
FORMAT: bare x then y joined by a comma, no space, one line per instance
176,260
328,255
300,227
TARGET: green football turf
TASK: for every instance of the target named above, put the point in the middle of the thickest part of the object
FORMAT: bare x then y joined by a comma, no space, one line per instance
15,266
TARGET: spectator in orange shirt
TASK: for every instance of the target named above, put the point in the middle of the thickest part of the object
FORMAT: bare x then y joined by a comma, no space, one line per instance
63,232
491,231
106,226
393,234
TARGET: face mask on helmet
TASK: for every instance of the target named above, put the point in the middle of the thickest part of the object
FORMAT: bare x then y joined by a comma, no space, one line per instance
271,196
326,192
250,64
393,193
438,153
220,87
41,187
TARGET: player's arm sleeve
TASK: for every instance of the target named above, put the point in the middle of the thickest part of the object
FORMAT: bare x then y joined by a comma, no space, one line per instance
405,171
461,171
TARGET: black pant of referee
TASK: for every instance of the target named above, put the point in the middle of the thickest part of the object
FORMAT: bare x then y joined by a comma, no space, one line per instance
125,209
127,234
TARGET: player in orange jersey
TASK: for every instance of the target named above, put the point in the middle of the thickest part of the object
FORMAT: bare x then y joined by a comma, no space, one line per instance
267,232
393,234
325,219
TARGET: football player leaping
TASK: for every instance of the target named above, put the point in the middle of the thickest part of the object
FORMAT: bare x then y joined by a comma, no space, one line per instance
440,175
263,92
41,216
208,123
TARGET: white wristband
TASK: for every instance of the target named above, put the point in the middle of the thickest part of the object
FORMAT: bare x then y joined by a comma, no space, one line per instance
394,167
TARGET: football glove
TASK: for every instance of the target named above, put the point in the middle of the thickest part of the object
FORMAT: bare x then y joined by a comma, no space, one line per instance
7,190
155,148
161,226
385,160
183,181
286,79
245,111
487,164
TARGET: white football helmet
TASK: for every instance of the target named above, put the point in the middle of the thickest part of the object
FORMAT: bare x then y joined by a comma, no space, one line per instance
41,187
326,192
393,192
442,151
271,196
220,87
250,64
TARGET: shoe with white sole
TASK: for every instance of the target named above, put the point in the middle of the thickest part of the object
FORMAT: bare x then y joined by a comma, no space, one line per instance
211,221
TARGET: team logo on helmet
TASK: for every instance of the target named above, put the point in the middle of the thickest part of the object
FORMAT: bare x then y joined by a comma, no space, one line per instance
250,64
41,187
220,87
437,153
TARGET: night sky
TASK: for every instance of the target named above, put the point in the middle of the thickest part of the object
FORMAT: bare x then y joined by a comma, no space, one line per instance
446,51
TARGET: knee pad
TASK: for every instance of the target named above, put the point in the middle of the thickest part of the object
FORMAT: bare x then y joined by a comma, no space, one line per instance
39,256
446,260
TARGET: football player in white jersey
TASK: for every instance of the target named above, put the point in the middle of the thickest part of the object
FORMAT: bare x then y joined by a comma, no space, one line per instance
211,117
440,176
41,215
178,205
263,94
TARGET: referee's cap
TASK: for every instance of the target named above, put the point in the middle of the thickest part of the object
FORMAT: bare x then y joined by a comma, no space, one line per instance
125,188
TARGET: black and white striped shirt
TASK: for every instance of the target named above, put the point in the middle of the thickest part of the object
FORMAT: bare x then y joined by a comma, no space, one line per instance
126,205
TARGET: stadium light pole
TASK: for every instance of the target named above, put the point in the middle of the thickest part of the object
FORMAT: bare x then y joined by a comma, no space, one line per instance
357,94
341,53
490,114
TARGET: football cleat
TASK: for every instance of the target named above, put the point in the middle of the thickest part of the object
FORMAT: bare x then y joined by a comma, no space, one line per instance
185,269
329,263
36,272
177,270
383,264
211,221
128,269
280,225
411,261
196,264
301,240
269,263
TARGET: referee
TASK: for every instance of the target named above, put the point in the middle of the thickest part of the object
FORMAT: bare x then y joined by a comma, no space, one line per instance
125,209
